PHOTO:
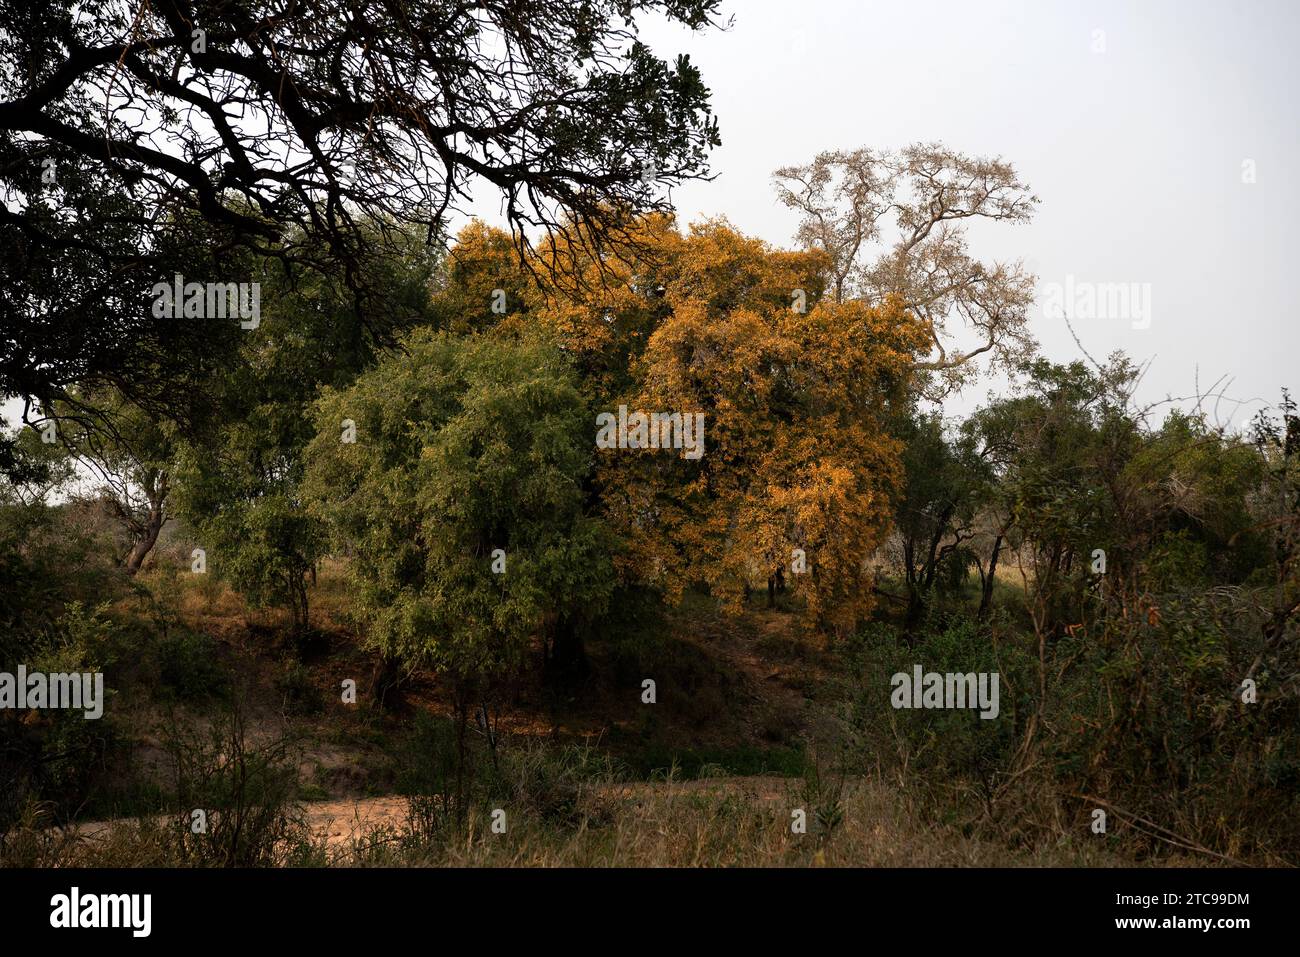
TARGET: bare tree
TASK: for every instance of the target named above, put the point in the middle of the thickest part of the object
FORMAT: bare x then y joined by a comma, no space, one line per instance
894,223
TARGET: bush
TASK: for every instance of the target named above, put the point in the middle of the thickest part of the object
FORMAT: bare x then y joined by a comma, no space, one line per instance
189,665
246,794
428,779
298,691
940,748
56,756
546,783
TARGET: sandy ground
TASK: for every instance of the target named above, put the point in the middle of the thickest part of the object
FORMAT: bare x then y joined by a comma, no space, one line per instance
339,821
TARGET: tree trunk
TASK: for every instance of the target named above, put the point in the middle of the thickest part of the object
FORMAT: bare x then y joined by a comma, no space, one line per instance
145,543
298,611
298,602
384,679
462,722
931,561
148,537
912,577
915,605
489,732
775,585
986,596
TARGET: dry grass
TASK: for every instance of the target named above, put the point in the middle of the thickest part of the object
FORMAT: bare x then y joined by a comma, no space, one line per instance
720,825
727,822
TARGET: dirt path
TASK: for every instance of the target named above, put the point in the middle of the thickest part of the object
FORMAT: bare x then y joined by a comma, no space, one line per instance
339,821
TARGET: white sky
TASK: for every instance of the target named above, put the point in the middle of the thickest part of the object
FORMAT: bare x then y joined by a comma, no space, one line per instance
1136,153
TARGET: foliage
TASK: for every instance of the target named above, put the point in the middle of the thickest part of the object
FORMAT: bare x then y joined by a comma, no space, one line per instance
395,111
238,481
464,447
793,389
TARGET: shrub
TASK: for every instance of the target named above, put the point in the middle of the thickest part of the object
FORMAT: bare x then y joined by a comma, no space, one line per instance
298,691
189,665
246,793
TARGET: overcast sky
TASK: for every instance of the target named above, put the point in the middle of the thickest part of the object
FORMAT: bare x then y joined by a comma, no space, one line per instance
1131,121
1136,152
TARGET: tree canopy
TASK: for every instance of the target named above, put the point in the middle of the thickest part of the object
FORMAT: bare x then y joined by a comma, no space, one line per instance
131,134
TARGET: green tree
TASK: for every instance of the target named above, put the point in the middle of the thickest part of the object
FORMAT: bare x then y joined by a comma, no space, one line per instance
461,504
130,455
936,512
237,480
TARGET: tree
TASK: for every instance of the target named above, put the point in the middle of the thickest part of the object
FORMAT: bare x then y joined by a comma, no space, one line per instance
990,436
848,202
793,390
131,454
31,469
238,480
1057,448
295,129
1075,469
45,561
461,504
78,262
937,512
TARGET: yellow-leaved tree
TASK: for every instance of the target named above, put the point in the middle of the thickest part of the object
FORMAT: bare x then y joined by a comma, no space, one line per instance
792,479
794,476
